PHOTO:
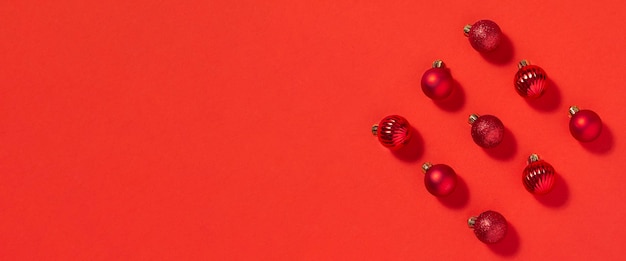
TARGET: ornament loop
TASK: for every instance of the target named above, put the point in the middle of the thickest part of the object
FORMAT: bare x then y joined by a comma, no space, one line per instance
573,110
523,63
438,64
473,118
426,166
375,129
532,158
471,221
467,29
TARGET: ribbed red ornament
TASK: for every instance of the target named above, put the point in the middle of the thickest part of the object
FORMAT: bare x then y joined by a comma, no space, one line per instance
439,179
437,82
584,125
393,131
530,80
538,176
484,35
489,227
487,130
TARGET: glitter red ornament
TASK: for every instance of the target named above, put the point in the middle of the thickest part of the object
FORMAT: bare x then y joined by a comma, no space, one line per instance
530,80
484,35
489,227
585,125
393,132
437,82
538,176
487,130
439,179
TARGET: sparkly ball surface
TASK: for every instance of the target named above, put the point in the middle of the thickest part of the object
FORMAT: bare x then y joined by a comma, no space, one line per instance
489,227
487,131
439,179
484,36
393,132
585,125
530,81
538,176
437,83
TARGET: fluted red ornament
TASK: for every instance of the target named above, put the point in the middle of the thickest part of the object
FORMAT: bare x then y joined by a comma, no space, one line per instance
538,176
439,179
585,125
489,227
484,35
487,130
530,80
437,82
393,131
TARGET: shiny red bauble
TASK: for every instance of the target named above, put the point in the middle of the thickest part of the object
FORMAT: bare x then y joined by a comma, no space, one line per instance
530,80
585,125
393,132
439,179
437,82
538,176
487,130
484,35
489,227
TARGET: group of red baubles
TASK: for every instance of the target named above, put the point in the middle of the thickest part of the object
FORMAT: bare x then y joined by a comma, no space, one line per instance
487,131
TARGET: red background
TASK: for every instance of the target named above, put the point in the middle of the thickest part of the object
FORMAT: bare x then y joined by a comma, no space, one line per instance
240,130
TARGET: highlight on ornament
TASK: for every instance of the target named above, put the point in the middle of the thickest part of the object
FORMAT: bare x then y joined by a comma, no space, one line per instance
530,80
437,82
489,227
393,132
487,130
484,35
439,179
538,176
584,125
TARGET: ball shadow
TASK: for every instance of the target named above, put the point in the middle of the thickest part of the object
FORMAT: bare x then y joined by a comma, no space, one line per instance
559,195
459,197
455,101
503,54
603,144
549,101
505,150
509,244
413,150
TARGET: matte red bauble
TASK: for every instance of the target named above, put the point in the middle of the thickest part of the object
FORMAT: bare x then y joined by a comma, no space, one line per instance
487,130
439,179
585,125
489,227
538,176
393,132
437,82
484,35
530,80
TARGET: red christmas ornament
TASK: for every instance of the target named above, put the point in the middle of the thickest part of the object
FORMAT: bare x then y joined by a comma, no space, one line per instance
437,82
530,80
440,179
487,130
484,35
538,176
490,226
585,125
393,131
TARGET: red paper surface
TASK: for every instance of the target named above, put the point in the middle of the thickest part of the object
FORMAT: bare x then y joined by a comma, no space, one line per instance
240,130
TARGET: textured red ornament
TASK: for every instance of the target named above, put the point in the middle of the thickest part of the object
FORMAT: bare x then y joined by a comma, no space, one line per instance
530,80
585,125
484,35
439,179
393,131
437,82
538,176
490,226
487,130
